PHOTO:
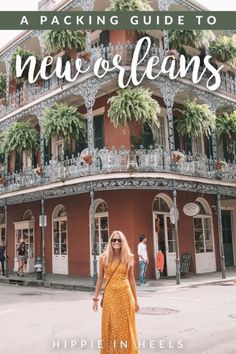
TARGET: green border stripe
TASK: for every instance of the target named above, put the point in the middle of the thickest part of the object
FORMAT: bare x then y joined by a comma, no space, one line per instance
11,20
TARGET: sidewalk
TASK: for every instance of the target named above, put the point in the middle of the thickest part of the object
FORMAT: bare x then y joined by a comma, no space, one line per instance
58,281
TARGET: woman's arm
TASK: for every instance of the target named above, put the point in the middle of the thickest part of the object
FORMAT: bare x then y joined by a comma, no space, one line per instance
133,284
99,284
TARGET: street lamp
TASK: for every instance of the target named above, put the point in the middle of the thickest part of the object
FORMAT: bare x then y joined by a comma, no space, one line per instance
175,219
93,235
6,238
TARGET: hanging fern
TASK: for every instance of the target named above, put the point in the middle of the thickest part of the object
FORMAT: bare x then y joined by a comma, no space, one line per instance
197,120
194,38
226,129
64,39
65,121
2,85
133,104
223,49
129,5
24,54
21,137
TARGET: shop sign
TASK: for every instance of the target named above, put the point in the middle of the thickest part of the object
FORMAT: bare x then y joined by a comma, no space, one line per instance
174,215
191,209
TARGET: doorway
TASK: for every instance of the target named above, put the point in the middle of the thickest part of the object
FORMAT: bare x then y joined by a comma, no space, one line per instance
59,241
164,235
227,237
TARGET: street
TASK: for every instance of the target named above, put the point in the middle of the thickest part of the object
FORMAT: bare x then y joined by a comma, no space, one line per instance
197,319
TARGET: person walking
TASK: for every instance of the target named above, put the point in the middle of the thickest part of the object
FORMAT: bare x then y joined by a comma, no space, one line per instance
2,256
22,257
143,260
120,303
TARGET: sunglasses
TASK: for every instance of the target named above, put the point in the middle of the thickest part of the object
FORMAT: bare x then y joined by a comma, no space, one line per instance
116,239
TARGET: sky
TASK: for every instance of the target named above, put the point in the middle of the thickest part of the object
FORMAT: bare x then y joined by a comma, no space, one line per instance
32,5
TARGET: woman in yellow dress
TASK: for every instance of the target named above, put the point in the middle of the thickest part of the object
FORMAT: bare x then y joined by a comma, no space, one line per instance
120,303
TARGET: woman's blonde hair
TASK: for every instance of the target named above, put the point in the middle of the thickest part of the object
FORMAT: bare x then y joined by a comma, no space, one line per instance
125,254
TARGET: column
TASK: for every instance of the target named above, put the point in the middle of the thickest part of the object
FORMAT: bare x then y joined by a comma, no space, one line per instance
221,244
93,235
6,238
176,239
42,140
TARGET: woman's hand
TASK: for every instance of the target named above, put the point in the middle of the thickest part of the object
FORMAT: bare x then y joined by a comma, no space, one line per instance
136,306
95,305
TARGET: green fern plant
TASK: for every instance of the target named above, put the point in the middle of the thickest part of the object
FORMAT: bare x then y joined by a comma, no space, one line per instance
223,49
129,5
21,136
24,54
133,105
197,120
65,121
64,39
226,129
2,85
194,38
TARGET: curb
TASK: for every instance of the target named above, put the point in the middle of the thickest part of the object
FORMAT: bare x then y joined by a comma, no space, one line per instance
87,288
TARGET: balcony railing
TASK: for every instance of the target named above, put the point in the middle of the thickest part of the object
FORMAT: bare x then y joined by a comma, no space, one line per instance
106,161
29,93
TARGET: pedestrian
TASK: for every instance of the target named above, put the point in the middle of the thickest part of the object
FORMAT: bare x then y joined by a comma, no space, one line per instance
2,256
160,262
116,265
22,257
143,260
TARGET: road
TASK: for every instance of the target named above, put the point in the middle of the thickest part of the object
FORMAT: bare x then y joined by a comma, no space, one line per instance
198,319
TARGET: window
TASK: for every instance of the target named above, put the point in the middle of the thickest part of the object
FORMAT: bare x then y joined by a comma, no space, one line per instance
203,231
161,205
60,231
160,133
98,132
58,148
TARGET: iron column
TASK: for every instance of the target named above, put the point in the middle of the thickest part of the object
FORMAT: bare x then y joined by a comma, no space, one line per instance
222,253
93,235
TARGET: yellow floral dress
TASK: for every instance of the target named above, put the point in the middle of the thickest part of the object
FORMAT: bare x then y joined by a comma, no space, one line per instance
118,316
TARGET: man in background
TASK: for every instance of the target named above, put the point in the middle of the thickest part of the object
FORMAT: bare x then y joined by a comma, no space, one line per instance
143,260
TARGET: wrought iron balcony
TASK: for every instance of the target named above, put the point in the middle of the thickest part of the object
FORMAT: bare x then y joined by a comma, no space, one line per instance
29,93
106,161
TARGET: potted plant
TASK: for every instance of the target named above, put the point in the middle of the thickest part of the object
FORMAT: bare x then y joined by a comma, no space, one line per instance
129,5
133,105
86,156
65,40
193,38
223,49
2,88
24,54
226,130
197,120
64,121
178,157
20,137
220,165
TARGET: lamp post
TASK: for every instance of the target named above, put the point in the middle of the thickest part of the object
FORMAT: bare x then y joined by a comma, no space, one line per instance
93,235
222,253
6,238
42,234
176,238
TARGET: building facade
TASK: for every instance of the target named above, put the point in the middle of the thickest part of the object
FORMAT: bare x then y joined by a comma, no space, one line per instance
133,189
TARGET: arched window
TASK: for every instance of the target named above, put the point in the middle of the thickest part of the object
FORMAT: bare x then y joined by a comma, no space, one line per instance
101,220
160,205
28,215
59,231
203,228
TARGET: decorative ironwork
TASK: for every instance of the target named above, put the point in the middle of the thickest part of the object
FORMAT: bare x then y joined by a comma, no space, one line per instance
107,162
88,90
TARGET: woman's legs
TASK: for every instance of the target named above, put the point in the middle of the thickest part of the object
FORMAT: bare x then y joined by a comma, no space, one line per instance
21,267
